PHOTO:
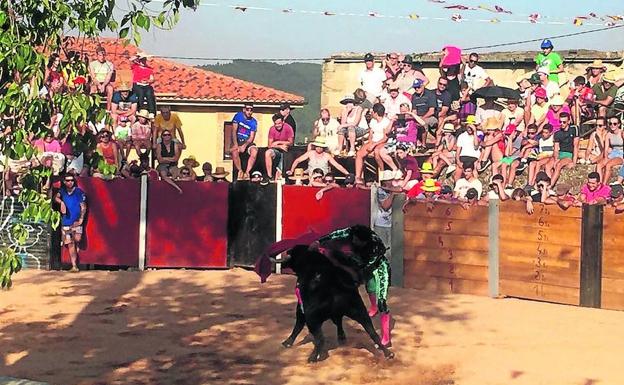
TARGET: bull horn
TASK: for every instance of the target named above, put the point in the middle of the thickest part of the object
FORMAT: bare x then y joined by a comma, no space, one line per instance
279,259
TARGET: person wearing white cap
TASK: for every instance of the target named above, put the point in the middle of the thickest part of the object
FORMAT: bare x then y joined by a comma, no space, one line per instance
551,87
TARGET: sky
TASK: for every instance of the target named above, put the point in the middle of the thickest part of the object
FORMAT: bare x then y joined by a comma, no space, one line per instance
219,31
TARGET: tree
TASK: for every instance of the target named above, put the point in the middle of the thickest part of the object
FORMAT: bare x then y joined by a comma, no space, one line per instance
30,32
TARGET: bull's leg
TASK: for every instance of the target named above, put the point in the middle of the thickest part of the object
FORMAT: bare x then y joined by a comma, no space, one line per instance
342,337
358,313
318,353
299,324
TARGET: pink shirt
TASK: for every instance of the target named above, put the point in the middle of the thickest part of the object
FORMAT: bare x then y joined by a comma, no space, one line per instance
603,191
53,146
284,135
452,56
553,119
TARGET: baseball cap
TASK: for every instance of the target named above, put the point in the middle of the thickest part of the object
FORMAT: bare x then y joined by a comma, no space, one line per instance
417,83
543,70
369,57
546,43
540,92
535,79
616,190
472,193
446,189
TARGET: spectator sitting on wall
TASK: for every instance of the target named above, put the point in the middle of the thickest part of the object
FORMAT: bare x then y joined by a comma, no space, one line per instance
493,144
142,79
73,206
349,182
549,60
244,127
429,191
186,174
318,157
471,199
551,87
497,189
285,110
281,137
391,66
595,150
207,170
424,104
101,71
84,143
594,72
468,181
168,120
410,74
109,164
468,148
445,152
327,127
134,169
123,138
220,174
580,100
521,195
141,133
371,78
513,153
544,156
394,100
408,166
316,178
617,198
124,103
474,75
514,117
566,147
426,172
542,192
191,163
605,93
50,150
350,117
563,198
168,154
594,192
379,128
556,108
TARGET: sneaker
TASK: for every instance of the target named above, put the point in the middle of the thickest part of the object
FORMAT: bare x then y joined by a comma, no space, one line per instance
74,269
264,181
450,169
484,166
523,165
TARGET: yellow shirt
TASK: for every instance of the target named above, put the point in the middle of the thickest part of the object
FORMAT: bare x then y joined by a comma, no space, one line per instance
173,122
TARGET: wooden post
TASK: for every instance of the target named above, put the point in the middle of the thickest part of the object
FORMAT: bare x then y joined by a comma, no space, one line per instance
591,256
493,257
397,249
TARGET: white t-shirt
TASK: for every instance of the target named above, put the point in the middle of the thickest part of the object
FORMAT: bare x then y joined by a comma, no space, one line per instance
393,106
511,117
329,129
377,128
467,147
463,185
552,89
372,80
475,77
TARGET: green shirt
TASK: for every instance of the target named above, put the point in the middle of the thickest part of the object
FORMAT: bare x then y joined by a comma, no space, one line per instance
552,61
602,94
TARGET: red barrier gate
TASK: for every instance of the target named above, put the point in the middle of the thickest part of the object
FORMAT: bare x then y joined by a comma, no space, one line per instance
189,229
112,223
338,208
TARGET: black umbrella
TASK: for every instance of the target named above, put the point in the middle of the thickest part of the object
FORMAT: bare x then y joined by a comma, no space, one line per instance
496,92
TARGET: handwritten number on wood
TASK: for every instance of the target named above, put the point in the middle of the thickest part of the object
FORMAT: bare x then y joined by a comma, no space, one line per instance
440,241
448,226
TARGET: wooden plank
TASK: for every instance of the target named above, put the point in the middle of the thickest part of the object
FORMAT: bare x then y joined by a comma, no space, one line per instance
613,285
543,274
551,236
612,301
446,254
509,207
613,241
518,251
445,285
538,221
446,270
447,225
417,239
444,210
541,292
613,265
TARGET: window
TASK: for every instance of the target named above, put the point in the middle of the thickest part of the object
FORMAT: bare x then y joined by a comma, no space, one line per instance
227,140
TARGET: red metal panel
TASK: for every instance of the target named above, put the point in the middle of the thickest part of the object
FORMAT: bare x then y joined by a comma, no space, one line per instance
189,229
112,224
338,208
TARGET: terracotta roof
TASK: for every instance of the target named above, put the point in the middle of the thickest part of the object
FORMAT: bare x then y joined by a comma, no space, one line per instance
184,82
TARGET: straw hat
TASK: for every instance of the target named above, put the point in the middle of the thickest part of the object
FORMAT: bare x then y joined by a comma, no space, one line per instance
557,100
492,124
448,127
143,114
386,175
427,168
610,77
320,142
123,86
348,99
220,172
429,185
298,175
191,162
597,64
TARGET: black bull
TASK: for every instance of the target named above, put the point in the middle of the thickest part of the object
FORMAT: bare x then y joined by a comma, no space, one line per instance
327,292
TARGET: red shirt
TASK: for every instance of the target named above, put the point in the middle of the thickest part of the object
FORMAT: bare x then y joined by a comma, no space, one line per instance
284,135
141,74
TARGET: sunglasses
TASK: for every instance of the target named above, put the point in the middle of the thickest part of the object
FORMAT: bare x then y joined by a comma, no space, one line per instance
69,180
563,121
186,173
614,123
600,125
166,134
473,61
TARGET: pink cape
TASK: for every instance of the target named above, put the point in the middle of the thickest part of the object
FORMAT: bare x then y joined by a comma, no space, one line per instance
264,266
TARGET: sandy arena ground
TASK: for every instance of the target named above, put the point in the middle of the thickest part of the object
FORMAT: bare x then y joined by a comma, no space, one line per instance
223,327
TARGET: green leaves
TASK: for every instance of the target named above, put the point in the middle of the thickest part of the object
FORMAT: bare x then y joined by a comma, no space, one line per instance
10,263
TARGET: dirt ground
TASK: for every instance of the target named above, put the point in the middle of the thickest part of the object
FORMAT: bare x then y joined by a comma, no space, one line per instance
224,327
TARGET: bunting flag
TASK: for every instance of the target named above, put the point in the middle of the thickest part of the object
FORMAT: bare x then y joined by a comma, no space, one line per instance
288,10
327,13
438,1
242,9
456,17
495,21
460,7
501,10
578,21
534,17
413,16
615,17
373,14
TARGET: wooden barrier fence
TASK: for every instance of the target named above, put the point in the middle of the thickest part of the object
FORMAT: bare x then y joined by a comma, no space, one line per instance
569,256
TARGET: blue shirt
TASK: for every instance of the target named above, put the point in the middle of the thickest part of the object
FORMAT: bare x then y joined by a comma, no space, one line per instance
72,203
245,126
